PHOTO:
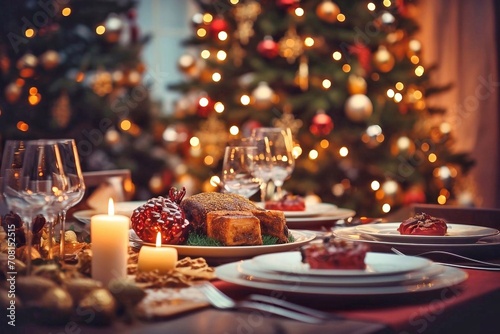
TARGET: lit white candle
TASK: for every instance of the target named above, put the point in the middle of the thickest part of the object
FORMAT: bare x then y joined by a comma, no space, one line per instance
109,244
161,258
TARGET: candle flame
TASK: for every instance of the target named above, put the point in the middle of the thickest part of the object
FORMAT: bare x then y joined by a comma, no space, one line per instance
111,207
158,239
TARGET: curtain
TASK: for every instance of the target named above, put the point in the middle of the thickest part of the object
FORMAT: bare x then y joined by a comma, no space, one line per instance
459,37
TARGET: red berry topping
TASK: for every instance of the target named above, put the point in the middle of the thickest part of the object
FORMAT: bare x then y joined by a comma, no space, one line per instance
163,215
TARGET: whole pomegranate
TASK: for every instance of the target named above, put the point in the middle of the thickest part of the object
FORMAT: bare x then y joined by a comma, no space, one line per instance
163,215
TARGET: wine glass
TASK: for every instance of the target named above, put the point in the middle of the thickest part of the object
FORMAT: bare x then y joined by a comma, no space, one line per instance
51,180
274,146
75,189
238,170
11,189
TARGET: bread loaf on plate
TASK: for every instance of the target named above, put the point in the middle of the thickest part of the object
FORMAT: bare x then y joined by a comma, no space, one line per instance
234,228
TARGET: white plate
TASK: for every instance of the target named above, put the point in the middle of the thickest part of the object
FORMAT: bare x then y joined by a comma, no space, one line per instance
240,252
329,217
84,215
251,271
457,233
314,209
485,247
449,277
376,264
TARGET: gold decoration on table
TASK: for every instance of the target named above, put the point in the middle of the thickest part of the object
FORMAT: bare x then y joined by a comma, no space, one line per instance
291,45
245,15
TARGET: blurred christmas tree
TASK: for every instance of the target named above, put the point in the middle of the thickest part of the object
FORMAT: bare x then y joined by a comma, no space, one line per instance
346,77
73,69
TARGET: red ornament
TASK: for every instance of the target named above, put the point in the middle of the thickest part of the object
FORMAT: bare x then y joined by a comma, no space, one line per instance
218,25
205,106
288,3
268,48
321,124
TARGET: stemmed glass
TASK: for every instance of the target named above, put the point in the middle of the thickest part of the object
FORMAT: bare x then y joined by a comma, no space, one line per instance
238,170
11,185
276,161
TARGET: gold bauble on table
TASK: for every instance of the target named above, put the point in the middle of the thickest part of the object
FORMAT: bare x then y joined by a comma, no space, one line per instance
358,107
383,60
328,11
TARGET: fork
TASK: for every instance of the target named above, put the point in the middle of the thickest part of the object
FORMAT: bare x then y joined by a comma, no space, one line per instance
264,304
493,266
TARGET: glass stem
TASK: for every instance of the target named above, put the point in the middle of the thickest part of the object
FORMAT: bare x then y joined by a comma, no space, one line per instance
62,221
263,191
29,241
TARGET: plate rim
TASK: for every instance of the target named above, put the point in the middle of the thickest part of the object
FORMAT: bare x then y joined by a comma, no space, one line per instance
427,238
241,251
304,213
424,262
450,277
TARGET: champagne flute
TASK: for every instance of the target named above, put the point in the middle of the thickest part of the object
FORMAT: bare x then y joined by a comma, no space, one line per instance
276,147
238,171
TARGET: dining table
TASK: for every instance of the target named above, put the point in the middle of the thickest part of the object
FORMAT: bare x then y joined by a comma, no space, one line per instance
468,307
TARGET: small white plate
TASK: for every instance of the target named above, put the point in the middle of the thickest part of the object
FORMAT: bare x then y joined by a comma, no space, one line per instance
376,264
329,217
311,210
457,233
449,277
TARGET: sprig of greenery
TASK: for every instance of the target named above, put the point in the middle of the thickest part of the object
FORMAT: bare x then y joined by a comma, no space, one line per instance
196,239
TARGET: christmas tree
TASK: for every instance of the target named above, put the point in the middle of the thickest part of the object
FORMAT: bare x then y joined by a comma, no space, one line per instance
73,69
345,76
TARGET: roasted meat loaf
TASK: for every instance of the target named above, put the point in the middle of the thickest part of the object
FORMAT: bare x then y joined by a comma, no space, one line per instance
197,206
273,223
234,228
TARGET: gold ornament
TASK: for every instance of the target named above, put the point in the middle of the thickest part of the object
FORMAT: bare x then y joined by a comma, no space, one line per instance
61,110
50,59
302,76
12,92
114,26
103,83
288,121
187,64
213,137
291,45
358,107
402,145
237,53
356,84
245,14
26,65
383,60
263,95
328,11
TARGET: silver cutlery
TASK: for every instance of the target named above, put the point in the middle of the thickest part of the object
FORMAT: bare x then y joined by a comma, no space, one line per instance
264,304
492,266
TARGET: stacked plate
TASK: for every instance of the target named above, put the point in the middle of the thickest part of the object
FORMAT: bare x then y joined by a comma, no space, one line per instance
461,238
315,215
384,274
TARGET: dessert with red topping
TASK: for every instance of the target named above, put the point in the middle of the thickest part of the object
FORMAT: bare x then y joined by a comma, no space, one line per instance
423,224
335,254
288,202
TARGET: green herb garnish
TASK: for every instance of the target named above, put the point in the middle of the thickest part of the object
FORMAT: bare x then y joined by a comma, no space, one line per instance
196,239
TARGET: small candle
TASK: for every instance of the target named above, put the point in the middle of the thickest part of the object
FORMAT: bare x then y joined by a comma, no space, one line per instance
161,258
109,244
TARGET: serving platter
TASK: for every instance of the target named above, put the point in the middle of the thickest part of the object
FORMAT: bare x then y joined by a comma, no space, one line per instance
240,252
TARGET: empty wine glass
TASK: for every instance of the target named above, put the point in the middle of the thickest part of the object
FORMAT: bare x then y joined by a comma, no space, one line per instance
238,171
51,181
274,147
11,189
